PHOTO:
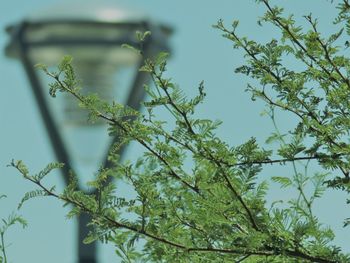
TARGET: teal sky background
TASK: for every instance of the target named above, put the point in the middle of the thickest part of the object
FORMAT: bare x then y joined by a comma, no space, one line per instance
198,53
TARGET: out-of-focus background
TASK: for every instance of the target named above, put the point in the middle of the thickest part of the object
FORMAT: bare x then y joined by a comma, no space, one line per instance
198,53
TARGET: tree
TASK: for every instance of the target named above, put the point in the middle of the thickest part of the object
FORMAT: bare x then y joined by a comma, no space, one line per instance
197,199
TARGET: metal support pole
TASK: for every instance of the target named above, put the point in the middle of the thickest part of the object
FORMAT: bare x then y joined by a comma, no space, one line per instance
86,252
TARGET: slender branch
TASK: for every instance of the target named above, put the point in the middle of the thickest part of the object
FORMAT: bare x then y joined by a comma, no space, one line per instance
310,112
323,79
302,158
3,246
235,193
184,115
125,129
302,193
172,103
210,156
346,3
326,52
270,251
243,258
299,44
262,162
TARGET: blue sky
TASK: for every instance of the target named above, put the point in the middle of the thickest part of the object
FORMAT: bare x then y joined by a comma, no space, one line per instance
198,53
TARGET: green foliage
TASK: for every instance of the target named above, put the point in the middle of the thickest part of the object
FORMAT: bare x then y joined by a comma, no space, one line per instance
36,178
197,199
11,220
